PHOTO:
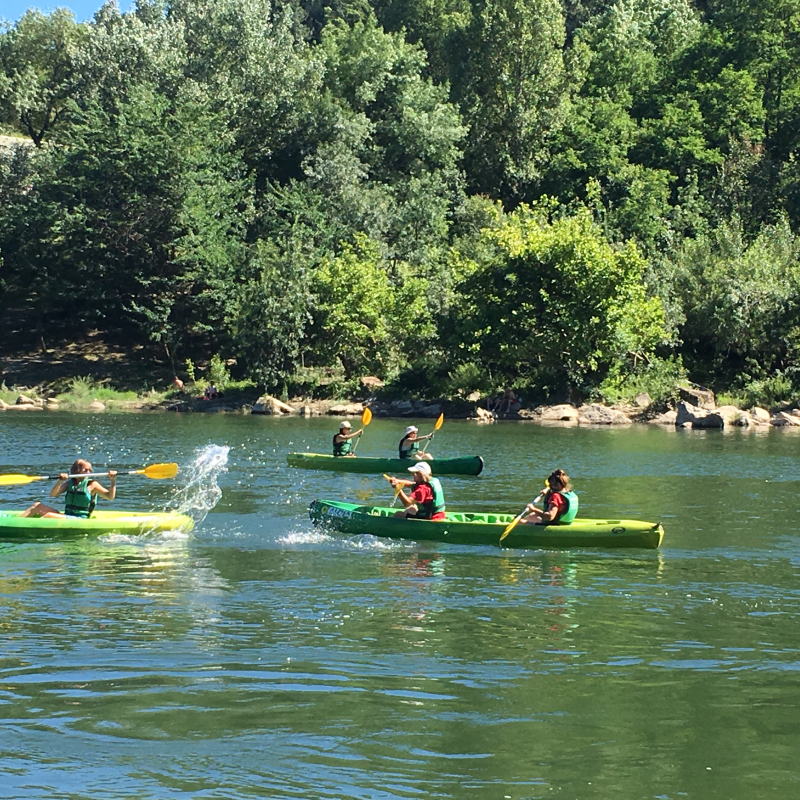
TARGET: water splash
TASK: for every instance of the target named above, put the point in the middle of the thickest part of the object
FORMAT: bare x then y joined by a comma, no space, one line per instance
199,491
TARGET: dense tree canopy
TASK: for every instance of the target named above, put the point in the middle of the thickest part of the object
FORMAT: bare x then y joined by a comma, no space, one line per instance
559,194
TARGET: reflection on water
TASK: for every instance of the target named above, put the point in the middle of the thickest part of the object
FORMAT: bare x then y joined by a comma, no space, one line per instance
258,656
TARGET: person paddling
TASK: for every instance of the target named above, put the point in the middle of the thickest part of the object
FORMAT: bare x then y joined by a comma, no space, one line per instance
426,499
560,503
81,493
409,444
342,446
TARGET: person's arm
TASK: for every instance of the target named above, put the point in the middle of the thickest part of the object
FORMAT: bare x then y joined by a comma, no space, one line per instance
61,485
355,433
110,493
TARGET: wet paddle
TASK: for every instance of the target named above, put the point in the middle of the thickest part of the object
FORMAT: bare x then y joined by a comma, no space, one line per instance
155,471
366,418
522,513
400,485
439,423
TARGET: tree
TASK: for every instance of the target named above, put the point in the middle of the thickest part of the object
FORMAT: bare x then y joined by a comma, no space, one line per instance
37,70
552,302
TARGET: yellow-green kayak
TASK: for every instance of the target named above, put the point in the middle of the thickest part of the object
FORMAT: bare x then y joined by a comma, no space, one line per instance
15,527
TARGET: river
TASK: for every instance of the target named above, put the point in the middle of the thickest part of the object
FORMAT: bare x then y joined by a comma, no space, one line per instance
259,657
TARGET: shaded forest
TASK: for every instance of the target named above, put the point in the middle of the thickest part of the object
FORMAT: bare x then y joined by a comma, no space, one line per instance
575,197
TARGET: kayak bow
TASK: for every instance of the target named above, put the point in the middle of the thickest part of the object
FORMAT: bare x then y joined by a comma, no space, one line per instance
485,529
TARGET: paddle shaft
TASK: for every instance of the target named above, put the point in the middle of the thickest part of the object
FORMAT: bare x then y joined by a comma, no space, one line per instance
519,517
439,423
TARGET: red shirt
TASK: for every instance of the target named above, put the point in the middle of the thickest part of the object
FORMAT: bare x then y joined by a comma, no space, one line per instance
421,494
560,502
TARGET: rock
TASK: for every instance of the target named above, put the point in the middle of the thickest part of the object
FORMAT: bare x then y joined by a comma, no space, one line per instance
3,405
701,398
560,413
348,410
760,415
643,400
96,405
431,411
305,411
402,406
732,416
667,418
180,406
783,419
686,415
24,400
595,414
482,415
371,382
266,404
23,408
473,397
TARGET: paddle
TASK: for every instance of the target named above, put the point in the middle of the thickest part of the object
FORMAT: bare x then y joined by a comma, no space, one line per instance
400,485
522,513
439,423
156,471
366,418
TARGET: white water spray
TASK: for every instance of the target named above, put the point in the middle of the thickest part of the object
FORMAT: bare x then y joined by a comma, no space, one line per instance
199,491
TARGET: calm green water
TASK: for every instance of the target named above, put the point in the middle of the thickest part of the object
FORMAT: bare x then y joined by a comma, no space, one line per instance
258,657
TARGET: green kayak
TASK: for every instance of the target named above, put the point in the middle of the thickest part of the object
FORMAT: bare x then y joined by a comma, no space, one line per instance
14,526
485,529
469,465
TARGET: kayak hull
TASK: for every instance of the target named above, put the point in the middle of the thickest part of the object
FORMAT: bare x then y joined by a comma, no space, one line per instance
485,529
13,526
469,465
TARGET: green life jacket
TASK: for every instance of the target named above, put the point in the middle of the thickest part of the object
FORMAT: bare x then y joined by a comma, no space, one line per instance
80,502
572,507
343,448
411,450
427,510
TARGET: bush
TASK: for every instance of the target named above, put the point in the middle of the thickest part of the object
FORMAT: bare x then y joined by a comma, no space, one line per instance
660,378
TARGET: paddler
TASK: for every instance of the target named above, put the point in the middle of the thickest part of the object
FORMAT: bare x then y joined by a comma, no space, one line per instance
342,446
426,499
560,503
409,444
81,493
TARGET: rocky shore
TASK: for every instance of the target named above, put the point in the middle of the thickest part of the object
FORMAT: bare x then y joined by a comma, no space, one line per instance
696,408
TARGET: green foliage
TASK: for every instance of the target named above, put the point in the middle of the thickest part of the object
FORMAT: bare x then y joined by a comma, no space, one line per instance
82,391
553,300
659,377
774,391
218,372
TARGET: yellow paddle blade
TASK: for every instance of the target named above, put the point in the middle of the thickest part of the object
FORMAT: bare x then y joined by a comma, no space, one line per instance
11,479
439,422
366,417
512,525
159,471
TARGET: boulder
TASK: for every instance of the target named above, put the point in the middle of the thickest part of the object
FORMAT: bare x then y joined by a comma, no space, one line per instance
346,410
667,418
701,398
474,397
482,415
96,405
686,415
431,411
760,416
595,414
305,411
403,406
266,404
24,400
784,419
560,413
643,400
3,405
732,416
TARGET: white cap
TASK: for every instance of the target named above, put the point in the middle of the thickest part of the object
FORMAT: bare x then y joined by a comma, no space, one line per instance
422,467
345,424
411,429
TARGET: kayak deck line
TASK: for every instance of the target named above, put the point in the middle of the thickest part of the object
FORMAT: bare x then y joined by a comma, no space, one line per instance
13,526
464,465
478,528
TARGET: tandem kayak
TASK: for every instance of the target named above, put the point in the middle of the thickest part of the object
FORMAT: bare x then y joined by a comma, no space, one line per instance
469,465
485,529
14,526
